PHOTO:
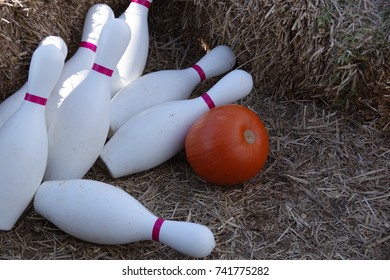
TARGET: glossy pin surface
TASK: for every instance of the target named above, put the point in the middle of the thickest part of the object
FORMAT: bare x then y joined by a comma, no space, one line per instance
12,103
133,61
104,214
23,138
167,85
156,134
77,67
78,133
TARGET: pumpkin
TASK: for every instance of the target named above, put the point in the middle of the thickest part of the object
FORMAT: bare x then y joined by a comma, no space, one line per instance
228,145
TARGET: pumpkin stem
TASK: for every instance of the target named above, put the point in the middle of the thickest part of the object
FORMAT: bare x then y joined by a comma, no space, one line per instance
249,136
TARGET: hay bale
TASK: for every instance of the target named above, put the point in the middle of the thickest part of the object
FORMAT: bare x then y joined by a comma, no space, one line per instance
334,50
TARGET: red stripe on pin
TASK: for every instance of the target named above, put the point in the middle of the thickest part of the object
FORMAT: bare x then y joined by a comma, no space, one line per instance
88,45
102,70
208,100
200,71
35,99
156,229
145,3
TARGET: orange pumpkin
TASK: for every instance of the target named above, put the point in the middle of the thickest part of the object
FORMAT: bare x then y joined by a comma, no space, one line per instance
228,145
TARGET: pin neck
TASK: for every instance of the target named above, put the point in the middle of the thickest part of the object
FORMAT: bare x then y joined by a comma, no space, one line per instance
210,103
102,70
156,229
35,99
144,3
88,45
200,72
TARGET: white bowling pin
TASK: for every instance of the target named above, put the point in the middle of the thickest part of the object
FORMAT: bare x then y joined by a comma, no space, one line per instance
23,138
158,133
167,85
104,214
133,61
78,66
79,131
12,103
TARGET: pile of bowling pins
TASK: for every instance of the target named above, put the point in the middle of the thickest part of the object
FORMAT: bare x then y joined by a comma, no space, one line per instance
98,104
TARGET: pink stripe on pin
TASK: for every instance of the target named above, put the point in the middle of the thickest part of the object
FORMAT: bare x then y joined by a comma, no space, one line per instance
208,100
156,229
103,70
200,71
88,45
35,99
145,3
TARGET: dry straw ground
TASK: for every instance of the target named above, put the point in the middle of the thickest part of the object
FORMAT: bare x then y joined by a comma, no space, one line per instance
321,71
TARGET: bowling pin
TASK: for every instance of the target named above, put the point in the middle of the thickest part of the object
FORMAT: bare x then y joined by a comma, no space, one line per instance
12,103
167,85
78,66
23,138
133,61
158,133
100,213
79,131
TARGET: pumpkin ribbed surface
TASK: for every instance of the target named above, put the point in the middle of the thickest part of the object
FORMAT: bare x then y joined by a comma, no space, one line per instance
228,145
